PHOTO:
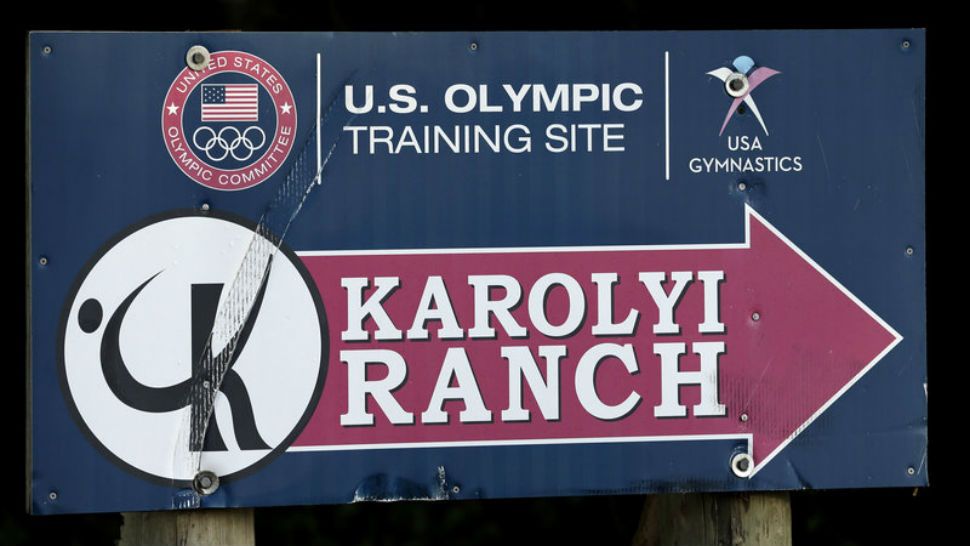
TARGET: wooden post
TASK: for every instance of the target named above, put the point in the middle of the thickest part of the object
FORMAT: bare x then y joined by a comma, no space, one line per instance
715,519
232,527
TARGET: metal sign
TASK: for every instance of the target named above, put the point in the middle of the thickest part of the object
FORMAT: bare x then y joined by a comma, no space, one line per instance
274,269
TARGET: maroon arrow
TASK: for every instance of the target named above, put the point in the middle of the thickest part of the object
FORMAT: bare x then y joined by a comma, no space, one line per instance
793,341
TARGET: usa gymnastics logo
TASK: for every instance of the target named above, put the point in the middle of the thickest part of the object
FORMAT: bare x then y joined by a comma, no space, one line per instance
740,80
231,125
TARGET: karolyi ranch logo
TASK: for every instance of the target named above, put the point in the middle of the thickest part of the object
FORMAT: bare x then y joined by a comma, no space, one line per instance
231,125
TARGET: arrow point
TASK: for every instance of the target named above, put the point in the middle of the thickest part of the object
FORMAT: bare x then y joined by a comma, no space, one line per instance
812,341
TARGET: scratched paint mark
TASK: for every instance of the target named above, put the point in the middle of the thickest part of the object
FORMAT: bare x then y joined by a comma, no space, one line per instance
383,488
825,161
305,174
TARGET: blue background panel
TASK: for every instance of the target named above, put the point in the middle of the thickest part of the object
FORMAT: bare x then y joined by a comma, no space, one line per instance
849,103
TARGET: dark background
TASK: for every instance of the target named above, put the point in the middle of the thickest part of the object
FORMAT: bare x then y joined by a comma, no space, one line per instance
842,517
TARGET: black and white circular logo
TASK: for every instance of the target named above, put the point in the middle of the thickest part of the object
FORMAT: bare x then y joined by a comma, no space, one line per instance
142,321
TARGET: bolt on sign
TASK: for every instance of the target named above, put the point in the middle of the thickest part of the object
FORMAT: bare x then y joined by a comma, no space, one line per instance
309,268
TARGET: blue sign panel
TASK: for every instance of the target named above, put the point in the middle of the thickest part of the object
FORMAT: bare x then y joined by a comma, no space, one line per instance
309,268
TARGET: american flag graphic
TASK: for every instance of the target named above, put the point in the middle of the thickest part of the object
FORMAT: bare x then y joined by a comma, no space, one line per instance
230,102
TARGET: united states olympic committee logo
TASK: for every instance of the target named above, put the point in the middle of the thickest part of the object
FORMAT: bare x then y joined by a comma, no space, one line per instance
231,125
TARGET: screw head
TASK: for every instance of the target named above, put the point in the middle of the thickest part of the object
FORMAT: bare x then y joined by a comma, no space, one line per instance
205,207
742,464
46,50
736,85
473,46
42,260
52,495
742,186
197,57
205,482
905,44
456,489
756,316
911,471
910,251
744,417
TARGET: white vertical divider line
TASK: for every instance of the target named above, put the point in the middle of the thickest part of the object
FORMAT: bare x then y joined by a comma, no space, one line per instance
318,124
666,115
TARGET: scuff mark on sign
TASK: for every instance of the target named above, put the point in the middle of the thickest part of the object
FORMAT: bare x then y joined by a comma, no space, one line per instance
232,318
796,475
825,161
382,488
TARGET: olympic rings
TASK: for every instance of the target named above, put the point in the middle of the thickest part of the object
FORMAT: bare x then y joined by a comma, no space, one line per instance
217,147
